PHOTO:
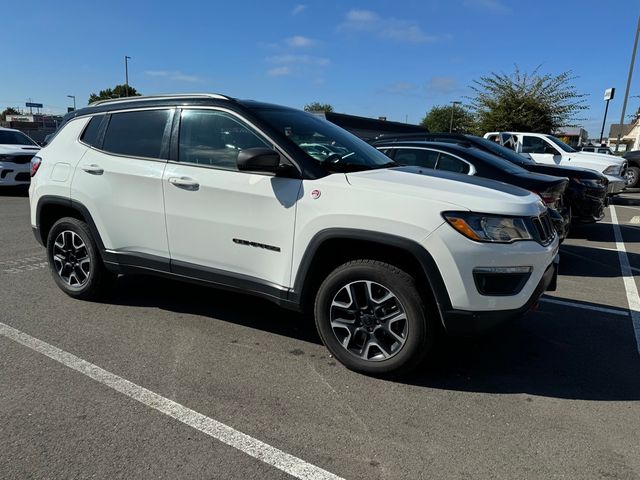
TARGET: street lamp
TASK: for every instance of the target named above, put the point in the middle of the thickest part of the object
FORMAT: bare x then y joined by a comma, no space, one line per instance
626,94
74,101
452,109
126,74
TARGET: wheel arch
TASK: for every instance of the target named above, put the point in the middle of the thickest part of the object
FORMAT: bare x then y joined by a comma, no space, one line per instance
333,247
52,208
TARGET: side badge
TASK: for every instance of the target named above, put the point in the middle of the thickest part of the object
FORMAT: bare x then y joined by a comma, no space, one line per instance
315,194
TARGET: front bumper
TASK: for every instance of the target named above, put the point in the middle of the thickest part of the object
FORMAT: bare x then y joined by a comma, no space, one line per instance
588,204
13,174
456,258
616,184
465,322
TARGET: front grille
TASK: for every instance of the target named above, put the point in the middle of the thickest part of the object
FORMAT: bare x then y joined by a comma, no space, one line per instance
543,230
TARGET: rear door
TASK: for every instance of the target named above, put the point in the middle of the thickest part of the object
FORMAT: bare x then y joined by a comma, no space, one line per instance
119,180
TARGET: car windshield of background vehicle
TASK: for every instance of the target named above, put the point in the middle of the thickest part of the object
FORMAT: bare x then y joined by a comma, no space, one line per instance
323,141
504,152
15,138
561,144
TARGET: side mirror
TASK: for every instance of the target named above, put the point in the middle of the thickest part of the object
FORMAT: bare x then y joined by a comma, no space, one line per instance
258,160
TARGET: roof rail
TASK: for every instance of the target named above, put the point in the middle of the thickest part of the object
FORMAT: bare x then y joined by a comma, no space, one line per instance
150,97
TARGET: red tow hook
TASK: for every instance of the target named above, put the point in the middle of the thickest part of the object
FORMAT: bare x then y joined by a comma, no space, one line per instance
535,307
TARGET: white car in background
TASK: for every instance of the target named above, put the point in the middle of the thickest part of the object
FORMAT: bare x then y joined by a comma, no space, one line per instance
548,149
16,152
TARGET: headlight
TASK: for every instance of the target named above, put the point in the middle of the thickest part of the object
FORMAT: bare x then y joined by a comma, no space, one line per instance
589,182
613,170
488,228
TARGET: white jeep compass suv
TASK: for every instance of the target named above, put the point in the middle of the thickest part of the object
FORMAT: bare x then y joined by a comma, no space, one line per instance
212,189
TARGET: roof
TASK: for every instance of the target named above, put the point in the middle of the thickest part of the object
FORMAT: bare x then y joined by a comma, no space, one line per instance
9,129
620,129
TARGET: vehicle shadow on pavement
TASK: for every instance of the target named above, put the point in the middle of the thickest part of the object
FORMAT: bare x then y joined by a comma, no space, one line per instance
603,232
558,351
240,309
14,191
624,200
581,261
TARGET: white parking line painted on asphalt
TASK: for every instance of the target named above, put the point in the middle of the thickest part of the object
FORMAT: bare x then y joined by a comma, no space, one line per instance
255,448
633,298
566,303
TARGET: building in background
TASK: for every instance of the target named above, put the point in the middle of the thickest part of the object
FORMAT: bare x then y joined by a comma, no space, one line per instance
574,136
370,128
629,135
37,126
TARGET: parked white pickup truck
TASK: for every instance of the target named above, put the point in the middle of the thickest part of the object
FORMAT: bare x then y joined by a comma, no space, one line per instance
551,150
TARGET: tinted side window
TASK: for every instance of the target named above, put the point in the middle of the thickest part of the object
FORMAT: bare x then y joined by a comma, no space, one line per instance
452,164
137,134
533,145
416,157
214,138
91,131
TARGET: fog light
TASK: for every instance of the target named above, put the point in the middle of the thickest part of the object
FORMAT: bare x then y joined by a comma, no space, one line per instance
501,281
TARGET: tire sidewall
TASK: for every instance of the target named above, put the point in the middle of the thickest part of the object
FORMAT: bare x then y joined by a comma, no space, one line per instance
403,287
80,229
636,172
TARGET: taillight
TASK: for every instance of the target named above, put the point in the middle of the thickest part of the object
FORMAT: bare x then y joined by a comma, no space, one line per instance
550,197
35,165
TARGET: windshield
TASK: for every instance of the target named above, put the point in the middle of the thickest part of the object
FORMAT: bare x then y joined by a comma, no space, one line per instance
502,152
10,137
323,141
560,143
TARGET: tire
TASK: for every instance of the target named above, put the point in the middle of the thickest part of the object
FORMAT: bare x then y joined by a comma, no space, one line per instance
632,176
370,346
75,262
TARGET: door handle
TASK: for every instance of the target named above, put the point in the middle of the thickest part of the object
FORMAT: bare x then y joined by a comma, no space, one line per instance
185,183
93,169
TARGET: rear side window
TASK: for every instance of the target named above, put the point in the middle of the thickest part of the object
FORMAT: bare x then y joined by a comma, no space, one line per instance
91,131
452,164
416,157
136,134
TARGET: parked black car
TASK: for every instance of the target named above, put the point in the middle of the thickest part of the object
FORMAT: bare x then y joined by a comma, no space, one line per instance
586,193
470,160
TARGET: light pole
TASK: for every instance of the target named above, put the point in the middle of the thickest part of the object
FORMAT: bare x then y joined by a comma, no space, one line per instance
453,107
126,75
626,93
608,95
74,101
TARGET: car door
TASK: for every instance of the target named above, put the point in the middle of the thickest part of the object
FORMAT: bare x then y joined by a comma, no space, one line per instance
119,180
225,225
541,150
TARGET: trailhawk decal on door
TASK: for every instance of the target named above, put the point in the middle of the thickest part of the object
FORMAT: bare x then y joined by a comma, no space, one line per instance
256,244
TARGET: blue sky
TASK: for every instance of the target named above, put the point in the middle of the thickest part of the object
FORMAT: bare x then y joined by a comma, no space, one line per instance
373,58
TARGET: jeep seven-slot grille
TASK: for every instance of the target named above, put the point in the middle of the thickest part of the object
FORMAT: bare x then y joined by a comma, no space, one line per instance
544,232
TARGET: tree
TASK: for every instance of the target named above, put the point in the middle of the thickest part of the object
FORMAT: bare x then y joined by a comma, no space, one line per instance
318,107
8,111
115,92
439,118
526,102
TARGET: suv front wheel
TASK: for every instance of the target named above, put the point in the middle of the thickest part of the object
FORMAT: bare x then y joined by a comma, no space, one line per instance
371,317
74,260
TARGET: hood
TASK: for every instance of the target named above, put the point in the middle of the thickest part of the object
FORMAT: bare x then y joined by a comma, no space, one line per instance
567,172
600,157
458,190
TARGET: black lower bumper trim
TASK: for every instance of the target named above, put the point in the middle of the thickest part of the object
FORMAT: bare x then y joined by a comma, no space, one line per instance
465,322
36,233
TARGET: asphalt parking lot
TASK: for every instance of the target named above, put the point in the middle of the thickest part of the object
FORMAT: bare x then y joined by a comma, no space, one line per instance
553,395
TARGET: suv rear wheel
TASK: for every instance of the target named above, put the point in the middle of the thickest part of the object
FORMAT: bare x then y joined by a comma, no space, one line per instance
74,260
632,176
371,317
